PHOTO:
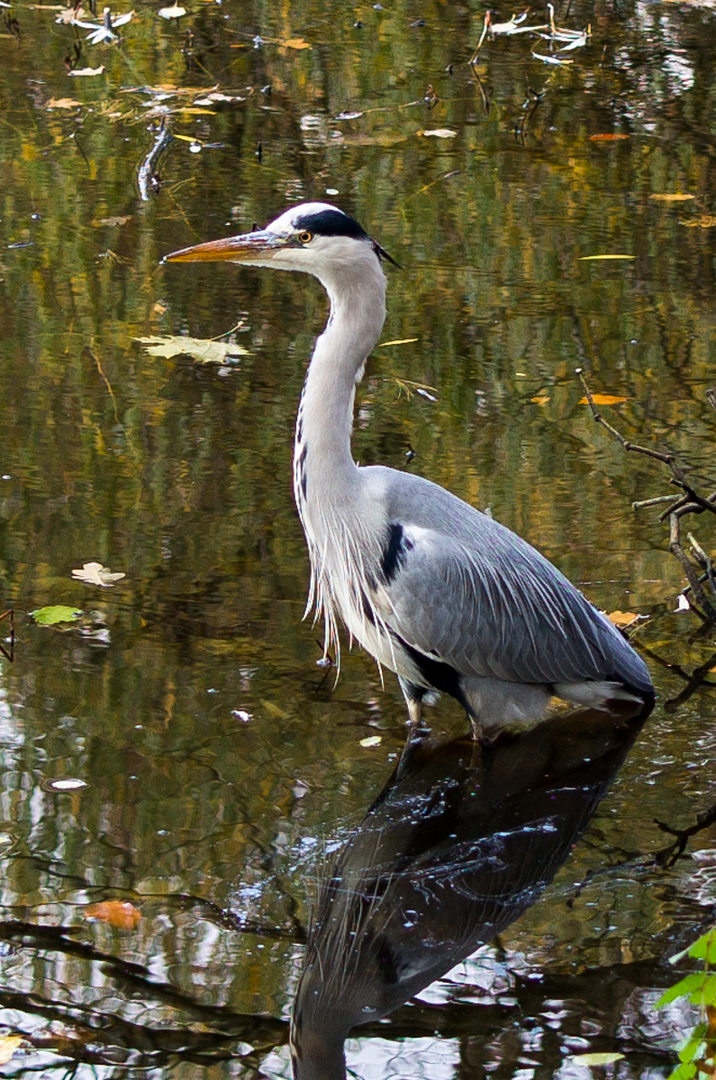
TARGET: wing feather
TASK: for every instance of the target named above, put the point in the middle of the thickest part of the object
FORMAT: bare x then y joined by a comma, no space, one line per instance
475,595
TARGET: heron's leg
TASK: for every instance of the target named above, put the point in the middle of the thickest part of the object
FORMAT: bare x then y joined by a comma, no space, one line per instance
414,700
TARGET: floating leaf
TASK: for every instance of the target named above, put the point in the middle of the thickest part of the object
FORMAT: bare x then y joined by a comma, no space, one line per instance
623,618
596,258
705,221
675,196
88,71
295,43
397,341
372,740
118,913
62,103
603,399
439,133
8,1046
111,221
551,59
93,573
204,350
540,399
64,785
607,137
173,12
596,1059
54,614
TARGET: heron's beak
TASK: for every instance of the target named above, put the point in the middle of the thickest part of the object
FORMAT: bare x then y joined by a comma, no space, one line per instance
258,246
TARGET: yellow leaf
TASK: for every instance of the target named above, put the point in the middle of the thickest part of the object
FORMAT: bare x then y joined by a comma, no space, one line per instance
593,258
118,913
705,221
540,399
8,1046
675,197
62,103
398,341
607,138
296,43
603,399
622,618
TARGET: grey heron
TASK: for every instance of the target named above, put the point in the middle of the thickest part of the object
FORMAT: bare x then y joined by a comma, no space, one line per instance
438,592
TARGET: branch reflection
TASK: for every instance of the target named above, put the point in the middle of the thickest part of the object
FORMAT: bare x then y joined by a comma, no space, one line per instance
459,843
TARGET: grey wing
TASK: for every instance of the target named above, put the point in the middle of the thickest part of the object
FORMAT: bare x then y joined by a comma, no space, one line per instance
488,604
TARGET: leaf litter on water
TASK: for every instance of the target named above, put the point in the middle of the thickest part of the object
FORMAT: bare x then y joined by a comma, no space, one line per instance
203,350
55,614
93,573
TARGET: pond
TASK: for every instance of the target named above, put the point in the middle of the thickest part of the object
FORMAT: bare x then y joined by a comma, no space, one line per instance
183,777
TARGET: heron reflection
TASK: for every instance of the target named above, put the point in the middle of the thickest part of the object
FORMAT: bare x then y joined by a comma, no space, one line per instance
460,842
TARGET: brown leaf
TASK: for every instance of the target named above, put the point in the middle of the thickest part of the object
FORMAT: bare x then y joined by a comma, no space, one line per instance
111,221
607,138
118,913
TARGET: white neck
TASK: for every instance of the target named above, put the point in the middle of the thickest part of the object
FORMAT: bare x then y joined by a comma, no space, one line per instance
323,463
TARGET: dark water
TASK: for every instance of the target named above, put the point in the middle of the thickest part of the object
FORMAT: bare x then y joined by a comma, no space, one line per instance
221,763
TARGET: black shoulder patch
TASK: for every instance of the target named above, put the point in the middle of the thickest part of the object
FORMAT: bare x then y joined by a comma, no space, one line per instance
331,223
396,548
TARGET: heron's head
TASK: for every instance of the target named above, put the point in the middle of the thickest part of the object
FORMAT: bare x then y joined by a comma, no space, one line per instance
315,237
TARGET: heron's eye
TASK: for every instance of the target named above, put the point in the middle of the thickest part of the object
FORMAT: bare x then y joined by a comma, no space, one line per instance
305,237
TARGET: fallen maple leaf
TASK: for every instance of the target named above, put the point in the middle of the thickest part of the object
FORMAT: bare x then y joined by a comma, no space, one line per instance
118,913
93,573
204,350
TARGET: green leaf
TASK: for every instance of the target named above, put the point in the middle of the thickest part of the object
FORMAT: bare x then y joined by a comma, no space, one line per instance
693,1047
596,1059
683,1072
704,948
56,613
691,984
